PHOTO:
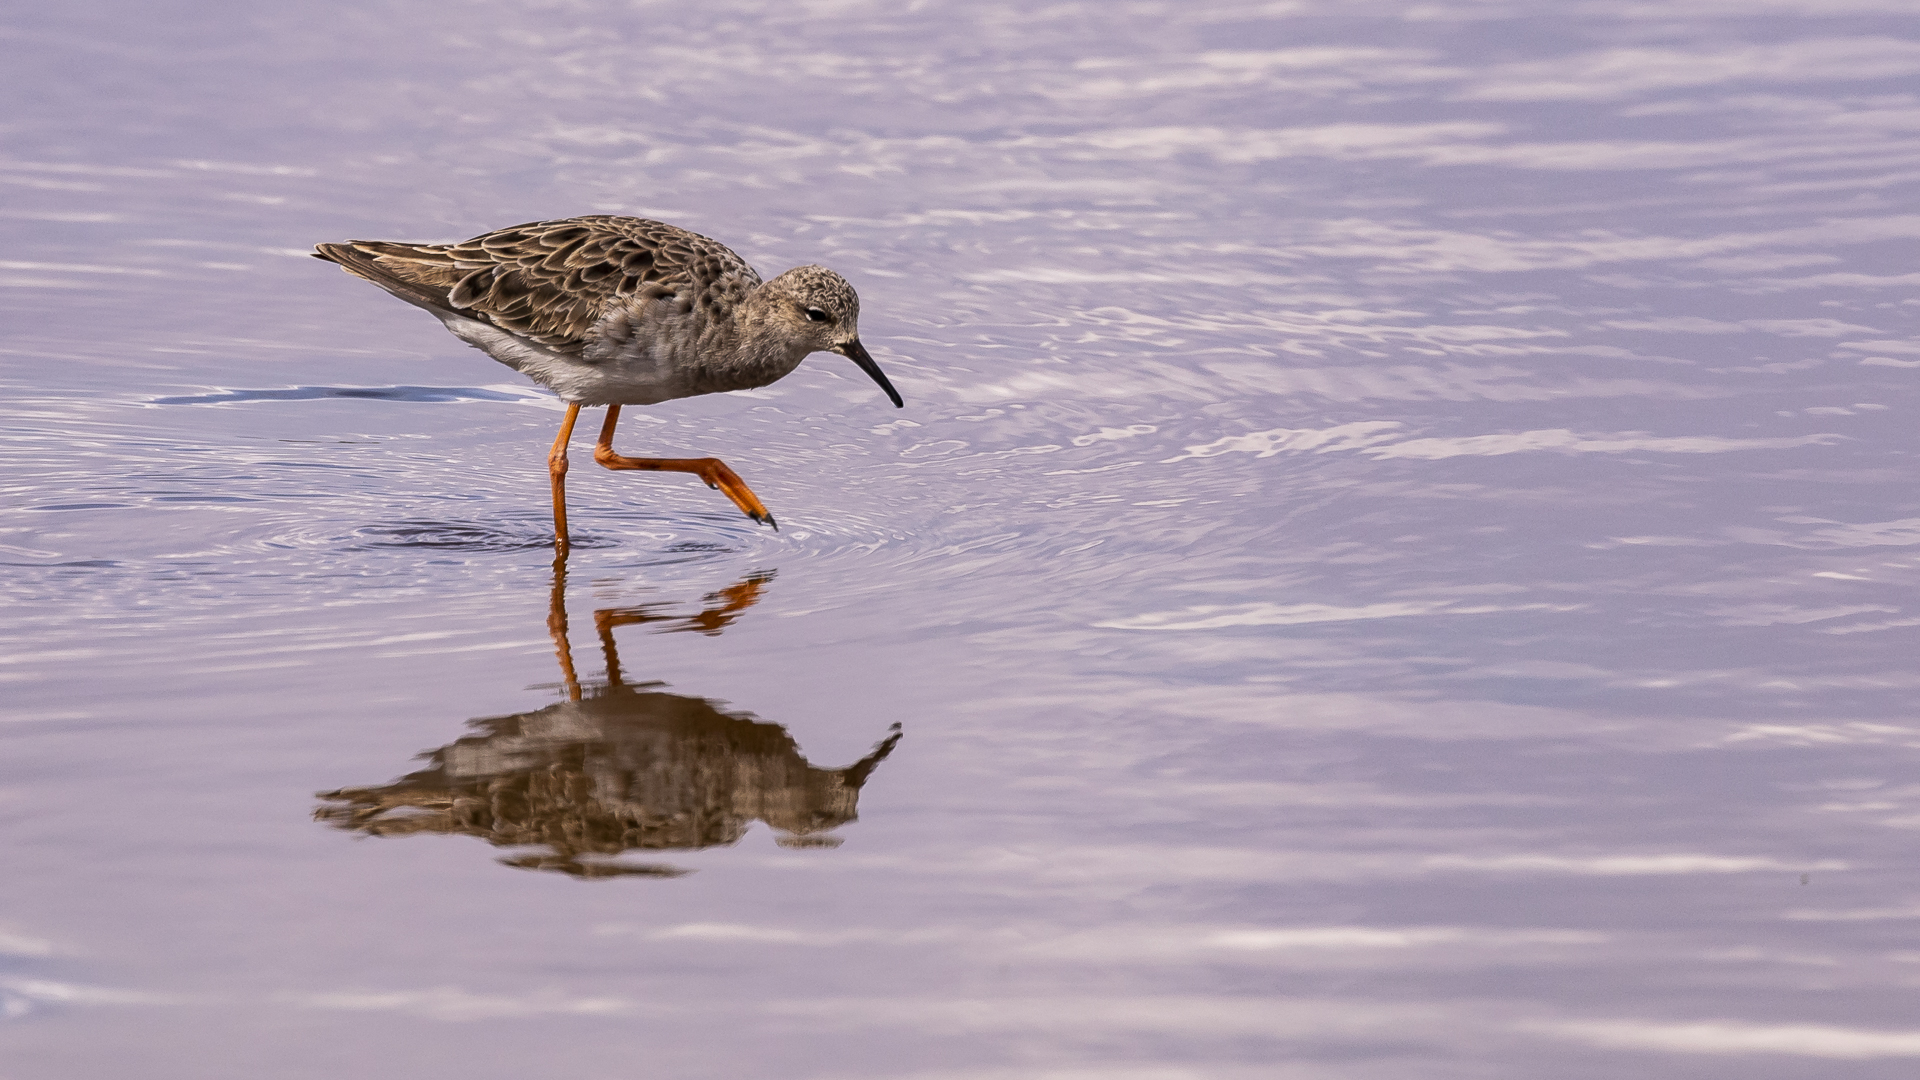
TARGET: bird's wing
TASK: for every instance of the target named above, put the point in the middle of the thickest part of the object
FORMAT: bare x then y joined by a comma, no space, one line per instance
550,281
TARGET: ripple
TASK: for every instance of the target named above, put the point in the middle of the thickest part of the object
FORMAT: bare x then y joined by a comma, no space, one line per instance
468,536
360,393
657,538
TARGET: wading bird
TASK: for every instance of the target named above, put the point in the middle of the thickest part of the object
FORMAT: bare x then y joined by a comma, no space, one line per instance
609,310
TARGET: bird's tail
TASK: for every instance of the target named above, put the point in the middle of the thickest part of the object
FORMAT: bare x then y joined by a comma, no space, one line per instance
355,259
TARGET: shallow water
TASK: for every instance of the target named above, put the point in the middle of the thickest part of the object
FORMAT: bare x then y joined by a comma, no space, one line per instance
1398,558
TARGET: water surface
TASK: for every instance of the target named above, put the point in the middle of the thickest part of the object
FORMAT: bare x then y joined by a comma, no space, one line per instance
1398,560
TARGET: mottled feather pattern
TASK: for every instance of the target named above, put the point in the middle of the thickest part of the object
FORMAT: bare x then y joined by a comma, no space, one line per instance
606,310
553,281
620,311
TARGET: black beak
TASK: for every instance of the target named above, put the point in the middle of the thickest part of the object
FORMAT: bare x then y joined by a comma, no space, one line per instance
857,353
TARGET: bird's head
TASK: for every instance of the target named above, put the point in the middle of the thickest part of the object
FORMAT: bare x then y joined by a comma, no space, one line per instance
815,306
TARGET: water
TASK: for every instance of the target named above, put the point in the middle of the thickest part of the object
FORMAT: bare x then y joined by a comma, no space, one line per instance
1399,558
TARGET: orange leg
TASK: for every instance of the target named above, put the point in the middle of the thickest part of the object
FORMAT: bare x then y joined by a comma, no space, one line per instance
557,470
712,470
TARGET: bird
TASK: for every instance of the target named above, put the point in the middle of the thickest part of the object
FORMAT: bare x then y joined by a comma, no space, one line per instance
604,309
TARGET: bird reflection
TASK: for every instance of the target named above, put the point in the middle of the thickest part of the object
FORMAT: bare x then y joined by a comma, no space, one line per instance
616,767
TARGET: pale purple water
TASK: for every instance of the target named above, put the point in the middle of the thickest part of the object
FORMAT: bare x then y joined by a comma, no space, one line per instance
1399,559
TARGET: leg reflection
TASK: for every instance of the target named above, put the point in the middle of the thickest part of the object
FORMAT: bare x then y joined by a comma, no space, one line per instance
557,624
616,768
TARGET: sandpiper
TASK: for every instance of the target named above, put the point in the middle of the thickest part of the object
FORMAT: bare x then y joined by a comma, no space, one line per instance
610,310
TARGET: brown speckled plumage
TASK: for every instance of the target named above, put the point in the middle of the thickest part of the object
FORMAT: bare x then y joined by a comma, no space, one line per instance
608,310
552,281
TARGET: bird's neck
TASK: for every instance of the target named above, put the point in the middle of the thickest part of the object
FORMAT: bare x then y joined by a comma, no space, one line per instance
762,350
763,338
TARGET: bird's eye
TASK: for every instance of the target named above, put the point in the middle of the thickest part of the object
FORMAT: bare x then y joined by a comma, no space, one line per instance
814,314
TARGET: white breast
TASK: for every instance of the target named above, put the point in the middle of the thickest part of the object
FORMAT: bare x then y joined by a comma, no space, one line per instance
629,380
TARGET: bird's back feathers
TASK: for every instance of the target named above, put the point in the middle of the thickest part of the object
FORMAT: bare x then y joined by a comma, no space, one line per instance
553,281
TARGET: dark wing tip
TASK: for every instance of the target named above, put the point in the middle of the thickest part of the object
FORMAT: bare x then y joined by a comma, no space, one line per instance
362,264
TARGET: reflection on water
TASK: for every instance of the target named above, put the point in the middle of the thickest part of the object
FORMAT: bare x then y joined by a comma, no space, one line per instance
617,767
1402,553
